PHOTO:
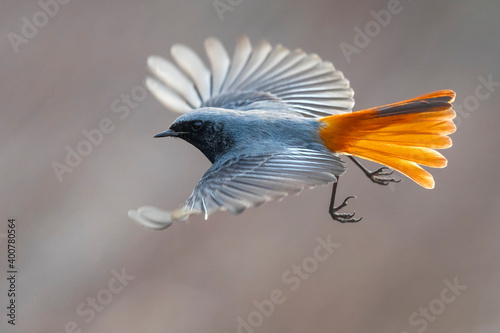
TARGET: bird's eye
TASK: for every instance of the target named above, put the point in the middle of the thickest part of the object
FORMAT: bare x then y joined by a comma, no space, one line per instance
197,126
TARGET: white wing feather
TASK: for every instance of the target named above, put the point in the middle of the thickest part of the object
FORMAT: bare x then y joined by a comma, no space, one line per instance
169,74
293,80
166,96
191,63
220,62
242,52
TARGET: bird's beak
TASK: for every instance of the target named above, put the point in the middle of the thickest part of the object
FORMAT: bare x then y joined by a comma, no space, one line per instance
167,133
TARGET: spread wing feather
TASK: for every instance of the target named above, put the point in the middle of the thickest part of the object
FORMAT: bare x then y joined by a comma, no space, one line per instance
249,181
261,77
219,60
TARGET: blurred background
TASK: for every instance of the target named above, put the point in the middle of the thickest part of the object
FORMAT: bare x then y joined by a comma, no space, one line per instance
421,260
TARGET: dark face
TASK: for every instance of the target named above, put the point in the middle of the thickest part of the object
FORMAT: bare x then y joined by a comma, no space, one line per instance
208,136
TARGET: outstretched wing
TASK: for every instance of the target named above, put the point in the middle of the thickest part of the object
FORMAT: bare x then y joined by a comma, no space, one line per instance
263,77
249,181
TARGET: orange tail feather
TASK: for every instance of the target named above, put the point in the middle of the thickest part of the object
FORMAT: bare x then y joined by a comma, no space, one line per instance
399,135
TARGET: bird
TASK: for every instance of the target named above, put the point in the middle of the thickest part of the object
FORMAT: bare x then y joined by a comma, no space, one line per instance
274,121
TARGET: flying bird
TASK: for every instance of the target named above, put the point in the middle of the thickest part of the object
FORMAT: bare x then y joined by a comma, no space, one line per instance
274,121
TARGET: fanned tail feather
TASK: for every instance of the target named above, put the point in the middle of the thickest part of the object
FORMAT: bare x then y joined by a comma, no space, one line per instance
400,135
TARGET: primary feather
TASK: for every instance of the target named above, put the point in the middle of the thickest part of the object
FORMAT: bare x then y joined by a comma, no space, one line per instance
251,180
268,77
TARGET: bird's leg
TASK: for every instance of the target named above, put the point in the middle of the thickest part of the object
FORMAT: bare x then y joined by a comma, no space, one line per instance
341,217
377,176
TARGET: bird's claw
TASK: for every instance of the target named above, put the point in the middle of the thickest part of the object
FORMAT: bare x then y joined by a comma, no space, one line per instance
344,217
377,176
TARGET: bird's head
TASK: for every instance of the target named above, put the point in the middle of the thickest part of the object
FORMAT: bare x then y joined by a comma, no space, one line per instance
206,129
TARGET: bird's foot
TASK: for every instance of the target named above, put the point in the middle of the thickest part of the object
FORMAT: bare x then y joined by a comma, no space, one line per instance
344,217
379,176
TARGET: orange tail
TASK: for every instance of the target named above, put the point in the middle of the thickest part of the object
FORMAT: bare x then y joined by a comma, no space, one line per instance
399,135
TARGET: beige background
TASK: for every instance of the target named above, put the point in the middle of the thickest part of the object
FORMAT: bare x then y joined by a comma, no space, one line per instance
202,276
